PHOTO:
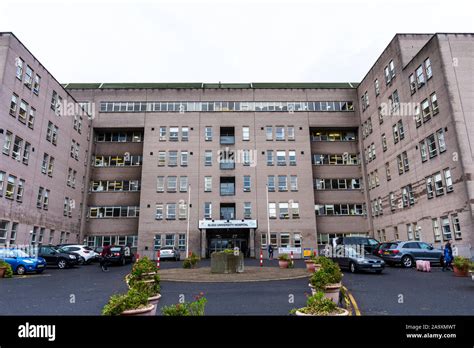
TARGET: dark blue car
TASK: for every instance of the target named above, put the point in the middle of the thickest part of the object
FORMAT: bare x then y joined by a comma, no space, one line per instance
21,262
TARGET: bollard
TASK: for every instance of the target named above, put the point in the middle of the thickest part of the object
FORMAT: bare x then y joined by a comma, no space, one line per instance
158,259
261,258
291,257
137,257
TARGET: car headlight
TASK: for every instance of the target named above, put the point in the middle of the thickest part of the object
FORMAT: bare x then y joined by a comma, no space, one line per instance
72,257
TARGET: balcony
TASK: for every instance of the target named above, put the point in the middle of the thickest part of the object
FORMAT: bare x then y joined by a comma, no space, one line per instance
227,189
227,165
227,139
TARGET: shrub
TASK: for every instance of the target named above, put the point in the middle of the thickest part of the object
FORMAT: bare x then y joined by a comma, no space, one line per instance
143,269
317,304
8,271
133,299
321,260
195,308
191,261
150,288
461,263
330,273
284,257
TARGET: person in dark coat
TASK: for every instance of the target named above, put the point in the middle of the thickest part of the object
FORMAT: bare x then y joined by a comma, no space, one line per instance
270,252
448,256
104,255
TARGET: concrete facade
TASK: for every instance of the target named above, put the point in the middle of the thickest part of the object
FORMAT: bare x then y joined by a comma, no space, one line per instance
123,168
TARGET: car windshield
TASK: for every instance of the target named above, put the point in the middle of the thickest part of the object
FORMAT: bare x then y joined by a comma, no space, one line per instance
13,253
389,246
61,250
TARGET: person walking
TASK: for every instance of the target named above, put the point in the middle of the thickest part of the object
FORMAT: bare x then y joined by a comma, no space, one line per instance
270,252
448,256
104,255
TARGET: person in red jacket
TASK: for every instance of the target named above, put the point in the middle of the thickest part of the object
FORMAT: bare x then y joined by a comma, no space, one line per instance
104,255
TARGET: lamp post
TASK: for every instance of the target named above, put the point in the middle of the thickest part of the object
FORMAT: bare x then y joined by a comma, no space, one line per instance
268,220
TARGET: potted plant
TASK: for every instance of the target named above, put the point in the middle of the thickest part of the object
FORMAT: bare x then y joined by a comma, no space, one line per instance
471,269
191,261
461,266
283,261
151,288
195,308
318,261
133,303
5,270
328,280
143,269
319,305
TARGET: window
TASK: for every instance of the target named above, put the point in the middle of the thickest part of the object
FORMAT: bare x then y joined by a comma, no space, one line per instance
377,87
183,184
384,142
161,158
162,136
36,84
159,211
270,158
171,211
409,234
271,183
456,226
247,210
31,118
438,183
429,187
420,77
291,133
295,210
272,210
268,133
207,210
283,208
448,180
11,183
292,157
417,117
182,210
411,80
169,240
54,100
441,140
28,77
284,240
19,68
446,228
184,133
247,183
387,75
184,158
423,151
2,182
391,67
246,133
208,134
433,152
20,190
282,183
50,166
172,158
7,142
17,148
280,133
293,183
208,158
425,109
436,230
46,199
281,158
52,133
396,134
174,133
182,242
207,184
13,105
429,72
157,242
434,103
171,184
393,205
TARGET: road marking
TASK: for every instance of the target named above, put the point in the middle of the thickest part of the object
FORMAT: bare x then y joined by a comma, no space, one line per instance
353,302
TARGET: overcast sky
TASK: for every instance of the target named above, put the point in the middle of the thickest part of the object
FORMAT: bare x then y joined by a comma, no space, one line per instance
228,41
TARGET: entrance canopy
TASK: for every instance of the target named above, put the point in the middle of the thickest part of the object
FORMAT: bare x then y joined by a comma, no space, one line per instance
213,224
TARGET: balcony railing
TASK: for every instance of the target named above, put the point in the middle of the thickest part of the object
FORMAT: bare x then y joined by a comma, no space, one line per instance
226,165
227,139
227,189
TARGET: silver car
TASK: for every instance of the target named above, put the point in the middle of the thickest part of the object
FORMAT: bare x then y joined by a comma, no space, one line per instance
408,252
169,253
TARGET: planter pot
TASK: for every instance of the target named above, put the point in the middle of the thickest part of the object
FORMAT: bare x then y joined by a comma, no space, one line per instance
283,264
332,292
147,311
2,271
460,273
344,313
154,301
310,266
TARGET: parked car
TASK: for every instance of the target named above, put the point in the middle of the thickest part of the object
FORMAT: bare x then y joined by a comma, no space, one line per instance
121,255
57,257
86,254
354,260
370,244
169,253
21,262
408,252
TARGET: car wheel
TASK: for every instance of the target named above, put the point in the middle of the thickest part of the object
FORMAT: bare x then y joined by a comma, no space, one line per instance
20,270
352,267
62,264
407,261
81,260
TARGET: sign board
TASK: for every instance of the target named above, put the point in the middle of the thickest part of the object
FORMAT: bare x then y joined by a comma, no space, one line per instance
288,250
227,224
307,252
